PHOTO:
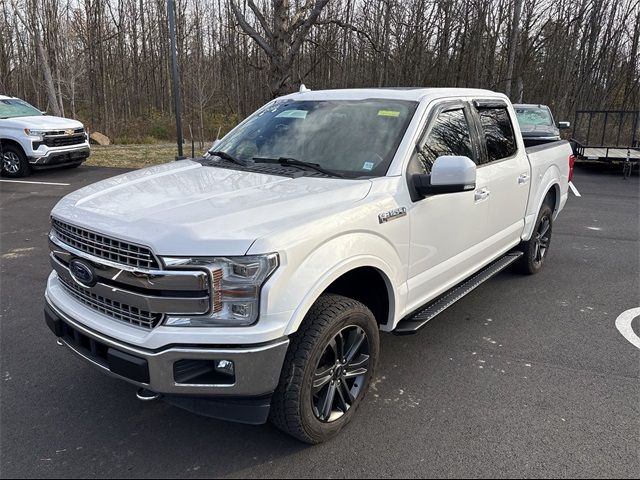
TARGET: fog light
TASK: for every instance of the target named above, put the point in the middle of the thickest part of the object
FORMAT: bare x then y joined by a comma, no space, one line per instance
225,367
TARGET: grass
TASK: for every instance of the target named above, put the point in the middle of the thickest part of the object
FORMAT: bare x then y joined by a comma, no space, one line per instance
136,156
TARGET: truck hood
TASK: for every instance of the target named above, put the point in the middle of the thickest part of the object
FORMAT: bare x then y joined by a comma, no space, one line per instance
41,122
187,209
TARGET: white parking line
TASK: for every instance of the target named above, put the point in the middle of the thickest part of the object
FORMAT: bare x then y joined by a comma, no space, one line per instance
36,183
574,189
623,324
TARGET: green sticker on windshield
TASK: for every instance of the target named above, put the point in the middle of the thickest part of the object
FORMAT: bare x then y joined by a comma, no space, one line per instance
388,113
292,114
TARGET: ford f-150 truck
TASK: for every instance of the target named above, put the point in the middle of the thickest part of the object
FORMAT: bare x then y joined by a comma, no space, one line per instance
30,139
252,284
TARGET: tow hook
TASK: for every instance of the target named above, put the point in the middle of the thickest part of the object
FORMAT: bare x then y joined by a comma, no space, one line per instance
145,395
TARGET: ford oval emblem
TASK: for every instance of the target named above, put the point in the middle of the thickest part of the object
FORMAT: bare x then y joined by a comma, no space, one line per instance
82,272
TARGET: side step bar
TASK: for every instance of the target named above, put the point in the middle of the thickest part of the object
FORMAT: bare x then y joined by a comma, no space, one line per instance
416,321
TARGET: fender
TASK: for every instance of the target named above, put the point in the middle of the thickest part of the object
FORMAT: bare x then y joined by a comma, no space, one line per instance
314,275
550,179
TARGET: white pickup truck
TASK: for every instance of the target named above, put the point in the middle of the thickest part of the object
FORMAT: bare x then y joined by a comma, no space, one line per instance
252,284
31,139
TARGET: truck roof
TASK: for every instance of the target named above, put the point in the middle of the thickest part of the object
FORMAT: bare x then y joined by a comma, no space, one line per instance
4,97
415,94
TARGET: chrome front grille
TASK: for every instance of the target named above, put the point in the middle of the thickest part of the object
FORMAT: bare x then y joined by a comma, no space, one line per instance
104,247
116,310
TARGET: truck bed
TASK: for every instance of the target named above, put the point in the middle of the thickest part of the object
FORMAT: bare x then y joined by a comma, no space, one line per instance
545,159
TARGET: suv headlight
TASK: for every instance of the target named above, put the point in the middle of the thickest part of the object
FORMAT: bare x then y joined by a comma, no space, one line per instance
235,289
36,134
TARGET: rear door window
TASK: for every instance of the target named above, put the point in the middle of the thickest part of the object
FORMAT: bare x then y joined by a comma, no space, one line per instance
498,133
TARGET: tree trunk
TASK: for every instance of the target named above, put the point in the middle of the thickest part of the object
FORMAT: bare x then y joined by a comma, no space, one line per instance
513,45
52,98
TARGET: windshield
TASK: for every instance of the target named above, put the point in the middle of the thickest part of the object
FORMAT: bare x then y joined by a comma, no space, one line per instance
533,116
14,107
355,138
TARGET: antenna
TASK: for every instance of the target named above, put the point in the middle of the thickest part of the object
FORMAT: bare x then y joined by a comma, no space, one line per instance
303,88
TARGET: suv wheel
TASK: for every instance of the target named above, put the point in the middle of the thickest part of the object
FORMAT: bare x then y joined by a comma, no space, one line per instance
328,369
14,162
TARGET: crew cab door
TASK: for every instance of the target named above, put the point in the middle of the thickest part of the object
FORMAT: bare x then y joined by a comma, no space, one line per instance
448,231
505,166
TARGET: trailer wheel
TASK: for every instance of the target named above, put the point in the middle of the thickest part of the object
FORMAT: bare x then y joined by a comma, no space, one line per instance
327,371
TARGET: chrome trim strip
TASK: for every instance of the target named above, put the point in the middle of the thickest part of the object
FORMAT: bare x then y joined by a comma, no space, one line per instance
153,304
257,368
79,148
64,135
182,280
61,228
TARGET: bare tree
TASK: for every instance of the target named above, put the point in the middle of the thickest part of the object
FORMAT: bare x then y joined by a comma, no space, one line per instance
513,45
107,62
34,29
282,38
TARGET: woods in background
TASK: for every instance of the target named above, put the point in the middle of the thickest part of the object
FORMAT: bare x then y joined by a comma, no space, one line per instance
106,62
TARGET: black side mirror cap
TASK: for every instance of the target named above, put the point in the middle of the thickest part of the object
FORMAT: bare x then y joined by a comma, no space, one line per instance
422,184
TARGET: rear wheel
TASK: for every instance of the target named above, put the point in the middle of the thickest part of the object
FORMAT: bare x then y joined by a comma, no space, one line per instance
536,248
327,371
14,162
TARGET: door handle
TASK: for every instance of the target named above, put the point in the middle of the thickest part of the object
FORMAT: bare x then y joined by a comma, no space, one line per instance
482,194
523,178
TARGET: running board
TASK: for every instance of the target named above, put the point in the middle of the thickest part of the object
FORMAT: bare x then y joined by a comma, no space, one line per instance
419,319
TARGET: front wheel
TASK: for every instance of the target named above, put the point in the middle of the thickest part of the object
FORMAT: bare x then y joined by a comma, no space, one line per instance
328,369
14,162
536,248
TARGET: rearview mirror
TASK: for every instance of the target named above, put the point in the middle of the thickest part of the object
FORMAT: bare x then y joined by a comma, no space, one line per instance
449,174
564,125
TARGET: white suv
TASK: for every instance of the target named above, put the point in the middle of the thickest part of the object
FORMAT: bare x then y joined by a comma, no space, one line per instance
30,139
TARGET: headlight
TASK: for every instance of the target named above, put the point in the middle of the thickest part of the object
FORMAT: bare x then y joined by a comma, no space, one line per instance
235,289
36,134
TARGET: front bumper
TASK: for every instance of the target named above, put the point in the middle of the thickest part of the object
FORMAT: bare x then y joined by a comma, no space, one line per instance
60,156
175,370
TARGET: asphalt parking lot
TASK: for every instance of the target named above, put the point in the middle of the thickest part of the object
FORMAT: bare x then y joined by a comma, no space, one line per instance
527,376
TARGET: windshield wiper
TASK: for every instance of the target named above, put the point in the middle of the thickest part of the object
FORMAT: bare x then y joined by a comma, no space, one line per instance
287,161
231,158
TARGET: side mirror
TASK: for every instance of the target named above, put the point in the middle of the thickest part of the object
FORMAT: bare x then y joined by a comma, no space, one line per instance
564,125
449,174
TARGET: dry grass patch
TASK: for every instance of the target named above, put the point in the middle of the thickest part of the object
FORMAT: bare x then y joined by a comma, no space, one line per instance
135,156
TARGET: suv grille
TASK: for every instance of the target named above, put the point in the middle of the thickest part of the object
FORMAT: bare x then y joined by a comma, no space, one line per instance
104,247
63,141
117,310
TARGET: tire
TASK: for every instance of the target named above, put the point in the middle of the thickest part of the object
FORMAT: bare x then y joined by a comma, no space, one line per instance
309,373
536,248
14,162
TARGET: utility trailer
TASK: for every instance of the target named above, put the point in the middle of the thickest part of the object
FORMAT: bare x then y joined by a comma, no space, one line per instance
607,136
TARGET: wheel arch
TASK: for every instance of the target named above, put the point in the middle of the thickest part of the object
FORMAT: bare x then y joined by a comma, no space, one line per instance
552,198
378,294
4,142
549,190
